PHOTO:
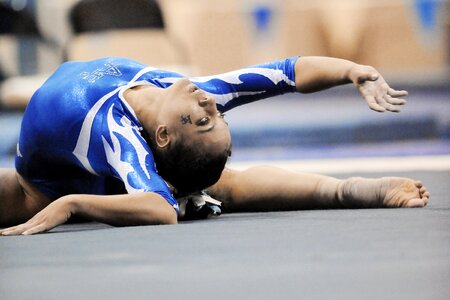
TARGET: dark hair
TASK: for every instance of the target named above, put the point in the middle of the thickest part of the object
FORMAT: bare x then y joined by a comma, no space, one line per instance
185,166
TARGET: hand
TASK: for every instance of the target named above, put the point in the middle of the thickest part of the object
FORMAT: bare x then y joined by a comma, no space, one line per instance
56,213
374,89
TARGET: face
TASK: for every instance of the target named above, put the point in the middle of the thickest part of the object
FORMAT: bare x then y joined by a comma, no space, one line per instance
191,114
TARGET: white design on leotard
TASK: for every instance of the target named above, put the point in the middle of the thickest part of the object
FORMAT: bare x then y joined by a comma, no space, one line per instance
82,146
276,76
113,154
108,69
232,77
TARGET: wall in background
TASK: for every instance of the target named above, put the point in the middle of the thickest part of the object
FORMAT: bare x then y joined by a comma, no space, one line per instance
404,38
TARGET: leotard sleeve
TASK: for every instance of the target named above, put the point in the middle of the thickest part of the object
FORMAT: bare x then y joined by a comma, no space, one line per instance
250,84
129,157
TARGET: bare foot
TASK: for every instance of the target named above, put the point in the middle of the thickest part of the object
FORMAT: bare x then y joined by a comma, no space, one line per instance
404,192
384,192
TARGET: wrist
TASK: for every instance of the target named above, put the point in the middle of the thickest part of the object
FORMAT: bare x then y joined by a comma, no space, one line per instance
353,73
358,74
70,203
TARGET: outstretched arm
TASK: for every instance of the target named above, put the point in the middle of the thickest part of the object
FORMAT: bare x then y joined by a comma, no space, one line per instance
304,75
119,210
318,73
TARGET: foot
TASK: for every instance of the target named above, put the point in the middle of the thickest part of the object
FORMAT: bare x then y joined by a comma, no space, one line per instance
383,192
404,192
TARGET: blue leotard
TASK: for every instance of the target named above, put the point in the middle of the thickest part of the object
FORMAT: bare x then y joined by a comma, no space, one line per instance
79,136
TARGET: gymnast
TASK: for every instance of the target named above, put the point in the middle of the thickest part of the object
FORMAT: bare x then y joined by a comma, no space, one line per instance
112,140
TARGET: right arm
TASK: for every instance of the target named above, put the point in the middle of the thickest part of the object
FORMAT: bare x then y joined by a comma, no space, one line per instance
303,75
316,73
145,208
250,84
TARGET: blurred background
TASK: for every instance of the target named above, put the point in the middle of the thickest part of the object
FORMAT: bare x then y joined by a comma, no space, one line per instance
407,40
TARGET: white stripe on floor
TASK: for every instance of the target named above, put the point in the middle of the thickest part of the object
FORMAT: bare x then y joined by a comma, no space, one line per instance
347,165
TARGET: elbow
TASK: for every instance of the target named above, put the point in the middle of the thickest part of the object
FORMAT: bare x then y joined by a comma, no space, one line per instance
303,90
160,212
306,88
170,218
166,216
155,212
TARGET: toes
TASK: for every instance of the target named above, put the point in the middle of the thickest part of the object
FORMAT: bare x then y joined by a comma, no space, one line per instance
415,203
425,195
424,191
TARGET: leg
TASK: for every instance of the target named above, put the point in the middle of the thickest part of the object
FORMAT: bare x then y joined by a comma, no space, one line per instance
19,200
268,188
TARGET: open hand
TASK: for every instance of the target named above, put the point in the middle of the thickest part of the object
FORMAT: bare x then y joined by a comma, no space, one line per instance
375,90
56,213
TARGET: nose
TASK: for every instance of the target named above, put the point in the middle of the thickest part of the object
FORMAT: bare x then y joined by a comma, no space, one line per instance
208,102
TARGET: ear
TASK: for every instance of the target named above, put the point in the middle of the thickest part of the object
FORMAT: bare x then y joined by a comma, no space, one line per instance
162,136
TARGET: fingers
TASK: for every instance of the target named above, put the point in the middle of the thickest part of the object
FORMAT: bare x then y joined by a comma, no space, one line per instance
395,93
19,229
25,229
35,229
394,101
379,104
373,104
387,105
380,97
392,94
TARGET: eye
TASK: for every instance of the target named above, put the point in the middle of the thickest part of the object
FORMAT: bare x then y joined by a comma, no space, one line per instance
193,88
203,121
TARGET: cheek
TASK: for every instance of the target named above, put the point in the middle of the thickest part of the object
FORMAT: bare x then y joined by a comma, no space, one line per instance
222,137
